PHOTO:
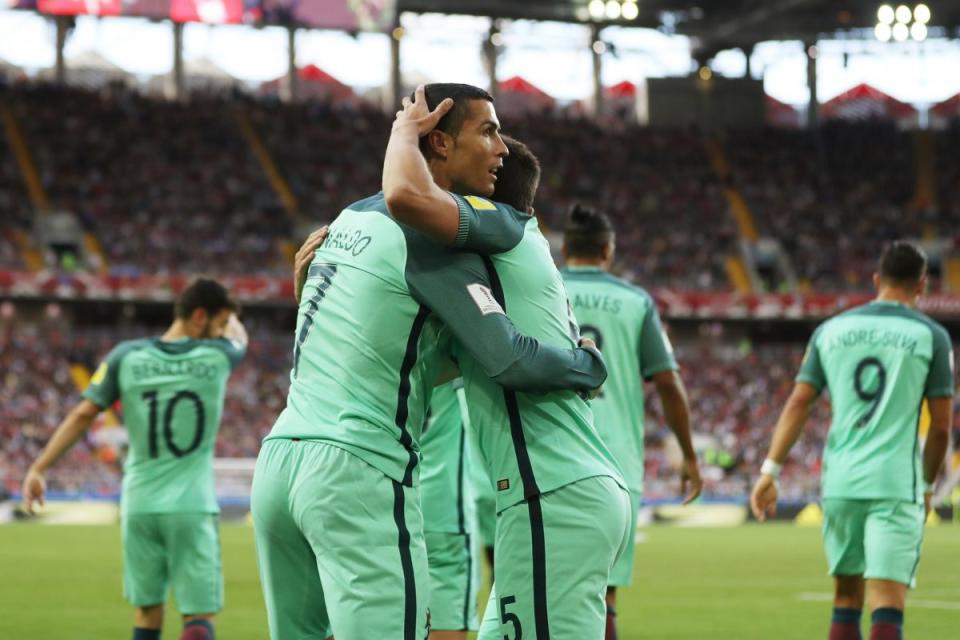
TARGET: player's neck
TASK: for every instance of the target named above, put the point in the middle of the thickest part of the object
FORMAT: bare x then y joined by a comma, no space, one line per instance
587,262
177,331
890,294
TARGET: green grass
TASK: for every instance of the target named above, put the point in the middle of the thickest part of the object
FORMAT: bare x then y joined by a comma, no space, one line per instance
63,583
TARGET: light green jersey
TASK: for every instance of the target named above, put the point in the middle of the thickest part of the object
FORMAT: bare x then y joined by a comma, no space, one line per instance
446,494
879,362
376,313
623,320
531,443
172,394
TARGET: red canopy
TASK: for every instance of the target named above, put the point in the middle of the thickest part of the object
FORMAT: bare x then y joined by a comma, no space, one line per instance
625,89
780,114
314,82
949,108
516,84
864,101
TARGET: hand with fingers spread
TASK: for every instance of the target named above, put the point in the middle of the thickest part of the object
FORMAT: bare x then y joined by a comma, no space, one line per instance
763,499
34,490
301,263
417,114
690,482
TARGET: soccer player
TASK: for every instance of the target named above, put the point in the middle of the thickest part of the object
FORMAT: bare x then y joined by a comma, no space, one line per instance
335,504
172,389
562,502
623,320
879,361
449,517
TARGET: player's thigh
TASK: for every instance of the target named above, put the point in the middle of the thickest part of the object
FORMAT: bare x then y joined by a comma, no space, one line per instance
578,532
366,531
486,507
894,533
621,575
454,578
291,585
144,560
844,523
193,553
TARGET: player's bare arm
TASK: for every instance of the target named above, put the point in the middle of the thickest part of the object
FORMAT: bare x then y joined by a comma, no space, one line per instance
676,410
938,440
412,196
77,422
235,331
301,262
763,499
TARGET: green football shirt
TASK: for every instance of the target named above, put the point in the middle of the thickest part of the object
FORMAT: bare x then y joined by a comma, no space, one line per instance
446,493
377,310
623,320
879,361
531,443
172,394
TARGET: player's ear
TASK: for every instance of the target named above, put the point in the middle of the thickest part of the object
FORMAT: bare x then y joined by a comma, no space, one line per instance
440,143
198,317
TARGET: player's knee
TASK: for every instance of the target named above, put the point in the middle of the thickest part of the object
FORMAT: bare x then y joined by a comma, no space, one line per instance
150,617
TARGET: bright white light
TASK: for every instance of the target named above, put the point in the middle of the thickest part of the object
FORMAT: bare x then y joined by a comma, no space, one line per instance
599,47
497,39
921,13
918,31
613,9
631,11
597,9
885,14
904,14
883,32
901,32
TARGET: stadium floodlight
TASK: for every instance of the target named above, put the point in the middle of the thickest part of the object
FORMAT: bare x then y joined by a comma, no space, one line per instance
705,73
613,9
885,14
883,32
904,15
598,9
921,13
496,39
901,32
631,11
918,31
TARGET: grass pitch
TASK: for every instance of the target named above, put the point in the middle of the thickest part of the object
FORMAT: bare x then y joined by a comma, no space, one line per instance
751,582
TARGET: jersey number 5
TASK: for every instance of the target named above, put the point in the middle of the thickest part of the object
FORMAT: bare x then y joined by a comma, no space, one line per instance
872,396
324,273
151,397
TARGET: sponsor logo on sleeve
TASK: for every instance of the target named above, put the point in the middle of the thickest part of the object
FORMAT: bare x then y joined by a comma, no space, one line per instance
480,204
100,374
484,299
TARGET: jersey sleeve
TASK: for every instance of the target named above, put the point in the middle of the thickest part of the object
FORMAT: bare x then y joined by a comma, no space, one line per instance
232,349
654,349
488,227
940,377
811,369
456,287
104,387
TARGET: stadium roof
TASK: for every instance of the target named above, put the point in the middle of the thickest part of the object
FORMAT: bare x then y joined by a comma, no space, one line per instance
715,24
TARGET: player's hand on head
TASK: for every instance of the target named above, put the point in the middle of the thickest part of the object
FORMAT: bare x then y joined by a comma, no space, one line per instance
691,484
763,499
417,112
301,262
34,490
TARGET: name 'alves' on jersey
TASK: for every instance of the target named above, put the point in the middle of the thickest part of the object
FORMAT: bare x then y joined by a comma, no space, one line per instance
172,394
879,361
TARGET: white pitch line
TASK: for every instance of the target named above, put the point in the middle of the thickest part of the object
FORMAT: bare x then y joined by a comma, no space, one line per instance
922,604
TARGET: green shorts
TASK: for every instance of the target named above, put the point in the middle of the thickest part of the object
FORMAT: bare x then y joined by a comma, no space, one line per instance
339,546
876,539
454,579
554,554
175,551
622,573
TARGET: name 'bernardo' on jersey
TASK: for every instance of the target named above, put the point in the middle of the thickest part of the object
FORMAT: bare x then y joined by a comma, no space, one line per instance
873,338
182,368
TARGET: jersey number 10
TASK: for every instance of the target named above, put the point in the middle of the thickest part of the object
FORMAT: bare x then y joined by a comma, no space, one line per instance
189,396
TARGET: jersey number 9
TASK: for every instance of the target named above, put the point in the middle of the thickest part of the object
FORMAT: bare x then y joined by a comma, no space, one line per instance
867,395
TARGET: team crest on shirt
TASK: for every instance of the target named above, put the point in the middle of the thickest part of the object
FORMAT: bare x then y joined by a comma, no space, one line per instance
480,204
100,374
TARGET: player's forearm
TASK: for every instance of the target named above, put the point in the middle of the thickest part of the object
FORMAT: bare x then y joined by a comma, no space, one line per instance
235,331
66,435
676,410
541,369
789,427
934,452
412,196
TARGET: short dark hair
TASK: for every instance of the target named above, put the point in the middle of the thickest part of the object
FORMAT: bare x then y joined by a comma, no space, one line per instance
587,231
518,179
206,294
462,94
903,264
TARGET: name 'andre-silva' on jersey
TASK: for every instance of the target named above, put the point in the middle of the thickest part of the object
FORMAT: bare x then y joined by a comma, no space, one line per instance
378,310
879,362
172,394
